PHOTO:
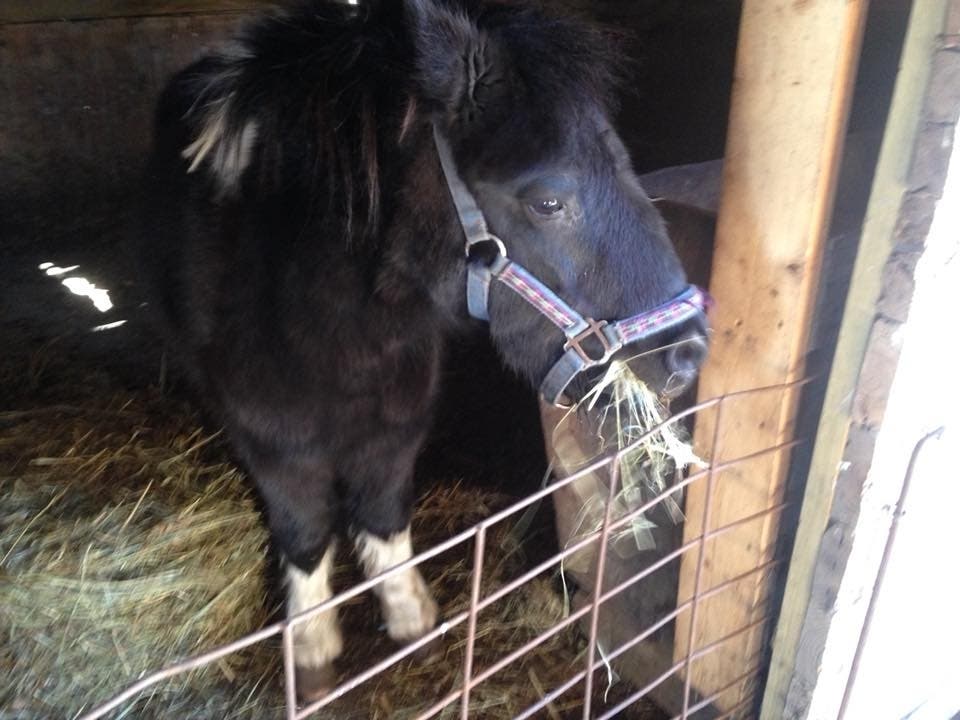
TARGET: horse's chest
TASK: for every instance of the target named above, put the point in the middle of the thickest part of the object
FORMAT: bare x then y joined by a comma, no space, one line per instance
399,377
315,351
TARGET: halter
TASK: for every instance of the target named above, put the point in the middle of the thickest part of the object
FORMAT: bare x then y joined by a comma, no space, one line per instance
612,336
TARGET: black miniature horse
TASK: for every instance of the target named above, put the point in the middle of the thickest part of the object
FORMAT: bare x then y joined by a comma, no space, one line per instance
307,261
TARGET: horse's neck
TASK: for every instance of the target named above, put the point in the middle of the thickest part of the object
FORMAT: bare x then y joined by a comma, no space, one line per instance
423,241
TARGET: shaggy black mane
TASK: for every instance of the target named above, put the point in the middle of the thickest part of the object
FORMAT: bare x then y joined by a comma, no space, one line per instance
334,88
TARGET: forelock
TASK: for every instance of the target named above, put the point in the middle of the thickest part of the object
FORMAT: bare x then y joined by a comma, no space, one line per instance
565,57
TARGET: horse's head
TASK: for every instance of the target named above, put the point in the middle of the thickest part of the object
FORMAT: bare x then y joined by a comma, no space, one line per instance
521,109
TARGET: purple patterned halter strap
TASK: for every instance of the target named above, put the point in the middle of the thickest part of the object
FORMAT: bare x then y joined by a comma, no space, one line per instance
692,302
609,337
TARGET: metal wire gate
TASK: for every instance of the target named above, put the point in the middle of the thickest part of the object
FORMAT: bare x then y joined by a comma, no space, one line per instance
692,702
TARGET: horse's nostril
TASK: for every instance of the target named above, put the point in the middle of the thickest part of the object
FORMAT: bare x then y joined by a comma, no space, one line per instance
687,354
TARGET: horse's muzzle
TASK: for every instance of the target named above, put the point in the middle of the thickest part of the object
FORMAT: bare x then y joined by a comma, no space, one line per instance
682,362
671,369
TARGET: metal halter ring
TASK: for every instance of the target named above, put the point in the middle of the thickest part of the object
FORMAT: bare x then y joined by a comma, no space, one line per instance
490,238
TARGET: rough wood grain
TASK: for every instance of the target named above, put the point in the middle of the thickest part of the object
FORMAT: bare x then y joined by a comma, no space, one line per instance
795,69
32,11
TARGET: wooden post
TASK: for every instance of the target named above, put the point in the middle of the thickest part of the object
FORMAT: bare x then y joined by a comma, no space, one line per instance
796,63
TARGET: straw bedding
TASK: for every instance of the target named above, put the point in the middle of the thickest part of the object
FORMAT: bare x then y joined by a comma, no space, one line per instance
128,540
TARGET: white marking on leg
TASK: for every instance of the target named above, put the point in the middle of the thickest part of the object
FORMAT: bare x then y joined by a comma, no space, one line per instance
408,607
317,642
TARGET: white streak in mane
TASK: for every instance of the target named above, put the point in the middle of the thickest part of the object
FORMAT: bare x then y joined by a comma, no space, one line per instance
229,153
408,119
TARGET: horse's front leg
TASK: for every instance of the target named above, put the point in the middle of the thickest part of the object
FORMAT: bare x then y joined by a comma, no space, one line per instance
380,501
408,607
317,641
301,504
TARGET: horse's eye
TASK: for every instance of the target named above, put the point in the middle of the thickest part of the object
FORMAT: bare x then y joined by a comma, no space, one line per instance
547,207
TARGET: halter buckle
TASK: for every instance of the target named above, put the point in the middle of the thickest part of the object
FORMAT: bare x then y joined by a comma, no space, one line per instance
594,329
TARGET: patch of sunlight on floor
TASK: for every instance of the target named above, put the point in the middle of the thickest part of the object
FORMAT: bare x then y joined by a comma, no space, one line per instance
80,286
109,326
54,271
83,287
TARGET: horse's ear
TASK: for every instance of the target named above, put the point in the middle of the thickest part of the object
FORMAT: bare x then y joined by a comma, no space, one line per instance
459,68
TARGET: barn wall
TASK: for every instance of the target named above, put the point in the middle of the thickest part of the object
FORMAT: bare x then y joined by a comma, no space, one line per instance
677,92
78,100
39,11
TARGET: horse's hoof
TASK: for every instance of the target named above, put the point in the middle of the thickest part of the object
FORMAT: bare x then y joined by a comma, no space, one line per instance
315,683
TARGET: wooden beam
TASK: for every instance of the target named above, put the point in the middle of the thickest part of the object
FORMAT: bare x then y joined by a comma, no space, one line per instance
796,63
32,11
814,541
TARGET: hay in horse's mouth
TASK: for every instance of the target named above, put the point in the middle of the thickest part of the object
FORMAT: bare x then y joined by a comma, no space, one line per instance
621,412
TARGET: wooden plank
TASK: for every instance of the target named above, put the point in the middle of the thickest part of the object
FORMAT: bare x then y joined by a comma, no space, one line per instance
801,632
32,11
796,63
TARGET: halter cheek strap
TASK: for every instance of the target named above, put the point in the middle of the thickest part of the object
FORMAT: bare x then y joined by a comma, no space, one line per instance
611,336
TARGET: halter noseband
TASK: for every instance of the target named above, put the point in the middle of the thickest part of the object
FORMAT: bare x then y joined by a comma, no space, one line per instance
612,336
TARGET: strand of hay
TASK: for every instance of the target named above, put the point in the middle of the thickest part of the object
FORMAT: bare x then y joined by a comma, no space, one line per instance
125,545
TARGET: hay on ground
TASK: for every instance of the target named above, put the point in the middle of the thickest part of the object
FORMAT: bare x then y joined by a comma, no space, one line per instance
129,541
